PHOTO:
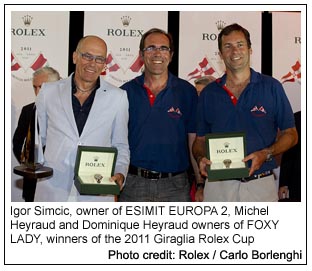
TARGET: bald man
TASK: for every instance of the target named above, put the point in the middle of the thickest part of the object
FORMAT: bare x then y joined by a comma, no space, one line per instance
82,109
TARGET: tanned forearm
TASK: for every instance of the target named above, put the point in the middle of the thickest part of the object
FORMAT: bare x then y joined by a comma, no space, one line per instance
199,148
199,153
191,139
287,139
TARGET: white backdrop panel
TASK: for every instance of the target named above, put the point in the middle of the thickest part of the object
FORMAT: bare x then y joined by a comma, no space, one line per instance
122,31
199,39
287,52
37,39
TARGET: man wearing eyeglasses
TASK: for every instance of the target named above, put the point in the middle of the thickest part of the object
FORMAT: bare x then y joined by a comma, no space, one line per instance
82,109
162,110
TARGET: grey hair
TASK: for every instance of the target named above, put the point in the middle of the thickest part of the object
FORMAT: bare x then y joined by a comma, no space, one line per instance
205,80
53,75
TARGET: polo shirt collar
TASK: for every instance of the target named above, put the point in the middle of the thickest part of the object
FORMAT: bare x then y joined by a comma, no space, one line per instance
171,80
254,78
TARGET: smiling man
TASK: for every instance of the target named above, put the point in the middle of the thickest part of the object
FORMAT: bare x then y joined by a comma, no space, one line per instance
162,109
243,100
82,109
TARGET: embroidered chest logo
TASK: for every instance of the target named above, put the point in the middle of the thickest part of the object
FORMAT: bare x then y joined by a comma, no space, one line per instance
258,111
174,112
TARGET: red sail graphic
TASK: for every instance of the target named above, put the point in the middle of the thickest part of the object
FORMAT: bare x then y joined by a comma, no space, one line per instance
39,63
204,68
14,64
294,74
137,64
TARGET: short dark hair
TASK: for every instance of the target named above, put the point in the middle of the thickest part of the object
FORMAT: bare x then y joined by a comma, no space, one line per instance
159,31
231,28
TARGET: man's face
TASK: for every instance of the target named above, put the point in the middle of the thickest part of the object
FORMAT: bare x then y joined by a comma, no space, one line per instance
38,80
235,52
156,62
89,70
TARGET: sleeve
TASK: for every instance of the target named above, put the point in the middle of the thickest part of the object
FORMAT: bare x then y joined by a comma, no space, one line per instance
201,127
20,133
42,116
191,126
120,135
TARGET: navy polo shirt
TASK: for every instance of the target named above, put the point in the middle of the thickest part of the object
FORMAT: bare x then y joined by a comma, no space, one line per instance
158,133
261,109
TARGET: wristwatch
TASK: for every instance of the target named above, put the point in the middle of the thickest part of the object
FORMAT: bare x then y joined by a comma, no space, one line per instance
269,156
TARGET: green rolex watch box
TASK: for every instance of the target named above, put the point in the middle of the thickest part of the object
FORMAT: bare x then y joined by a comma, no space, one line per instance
93,168
226,152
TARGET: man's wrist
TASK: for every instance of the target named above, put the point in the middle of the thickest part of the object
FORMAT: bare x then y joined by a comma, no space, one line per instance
269,154
121,177
200,186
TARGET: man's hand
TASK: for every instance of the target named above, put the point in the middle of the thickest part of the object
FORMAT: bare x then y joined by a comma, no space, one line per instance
257,158
203,162
119,179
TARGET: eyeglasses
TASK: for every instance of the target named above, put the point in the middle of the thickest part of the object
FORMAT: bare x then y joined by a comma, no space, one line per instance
89,57
152,48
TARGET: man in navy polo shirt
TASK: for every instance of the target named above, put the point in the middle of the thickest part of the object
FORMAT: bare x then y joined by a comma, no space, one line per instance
162,124
244,100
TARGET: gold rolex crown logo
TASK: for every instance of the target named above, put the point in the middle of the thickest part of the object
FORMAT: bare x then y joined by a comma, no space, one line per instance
220,25
27,20
125,20
96,158
226,144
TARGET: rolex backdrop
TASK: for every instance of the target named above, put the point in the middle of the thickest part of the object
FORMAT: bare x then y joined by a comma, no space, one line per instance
122,32
287,54
198,55
36,41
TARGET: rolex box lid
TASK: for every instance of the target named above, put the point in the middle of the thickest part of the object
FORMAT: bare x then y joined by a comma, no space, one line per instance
93,168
